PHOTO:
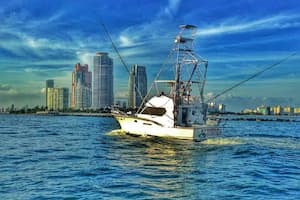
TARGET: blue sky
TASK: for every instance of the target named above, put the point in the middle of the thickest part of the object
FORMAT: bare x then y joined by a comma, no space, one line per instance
42,40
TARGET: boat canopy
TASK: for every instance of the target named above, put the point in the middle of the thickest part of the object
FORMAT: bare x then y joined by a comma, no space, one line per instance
159,109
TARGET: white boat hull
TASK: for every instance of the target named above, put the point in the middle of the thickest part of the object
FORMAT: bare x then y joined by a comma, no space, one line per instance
145,127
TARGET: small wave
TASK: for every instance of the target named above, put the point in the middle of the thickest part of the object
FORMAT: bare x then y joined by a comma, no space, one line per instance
86,174
10,133
246,152
275,142
72,157
43,150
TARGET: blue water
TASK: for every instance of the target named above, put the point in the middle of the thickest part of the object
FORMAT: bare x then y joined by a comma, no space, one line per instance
54,157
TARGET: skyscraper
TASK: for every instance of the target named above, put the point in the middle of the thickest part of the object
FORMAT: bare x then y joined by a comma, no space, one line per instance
81,94
58,98
49,84
137,86
102,81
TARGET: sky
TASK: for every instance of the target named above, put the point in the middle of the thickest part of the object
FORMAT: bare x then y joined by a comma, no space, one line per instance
42,40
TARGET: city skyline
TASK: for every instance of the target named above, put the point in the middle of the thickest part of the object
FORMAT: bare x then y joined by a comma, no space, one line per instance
237,38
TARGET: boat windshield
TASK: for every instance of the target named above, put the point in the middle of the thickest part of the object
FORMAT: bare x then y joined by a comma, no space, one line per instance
154,111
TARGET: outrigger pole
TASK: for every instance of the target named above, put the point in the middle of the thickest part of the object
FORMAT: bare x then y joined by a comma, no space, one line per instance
251,77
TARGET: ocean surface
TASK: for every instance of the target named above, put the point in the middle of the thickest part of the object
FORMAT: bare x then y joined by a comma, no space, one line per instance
56,157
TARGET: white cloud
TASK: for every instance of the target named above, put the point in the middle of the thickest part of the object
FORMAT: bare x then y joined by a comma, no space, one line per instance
36,43
43,90
236,26
209,95
125,41
172,7
85,58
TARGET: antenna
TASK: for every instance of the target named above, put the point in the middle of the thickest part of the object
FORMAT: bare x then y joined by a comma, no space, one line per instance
252,76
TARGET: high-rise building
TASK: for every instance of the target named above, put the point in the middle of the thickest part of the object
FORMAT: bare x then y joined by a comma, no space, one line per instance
81,94
102,81
49,84
58,98
137,86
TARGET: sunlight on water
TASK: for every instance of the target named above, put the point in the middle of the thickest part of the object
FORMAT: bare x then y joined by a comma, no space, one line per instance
120,132
222,141
116,132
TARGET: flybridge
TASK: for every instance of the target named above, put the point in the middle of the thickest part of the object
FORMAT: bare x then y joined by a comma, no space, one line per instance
180,38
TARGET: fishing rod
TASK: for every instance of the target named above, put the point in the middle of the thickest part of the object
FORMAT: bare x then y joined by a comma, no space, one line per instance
120,57
114,47
251,77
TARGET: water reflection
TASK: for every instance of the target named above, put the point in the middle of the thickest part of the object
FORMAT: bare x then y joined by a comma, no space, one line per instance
166,168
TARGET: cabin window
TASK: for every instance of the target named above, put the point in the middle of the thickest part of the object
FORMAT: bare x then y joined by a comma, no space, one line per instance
154,111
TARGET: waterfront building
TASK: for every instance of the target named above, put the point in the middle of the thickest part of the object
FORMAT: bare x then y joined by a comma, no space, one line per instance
213,107
264,110
271,110
222,108
137,86
277,110
297,111
288,110
58,98
12,107
49,84
81,93
248,111
103,89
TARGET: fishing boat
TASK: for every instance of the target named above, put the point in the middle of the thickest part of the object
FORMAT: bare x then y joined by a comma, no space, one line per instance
180,111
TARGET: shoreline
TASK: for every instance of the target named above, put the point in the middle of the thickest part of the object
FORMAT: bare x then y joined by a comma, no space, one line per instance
63,114
278,118
224,117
